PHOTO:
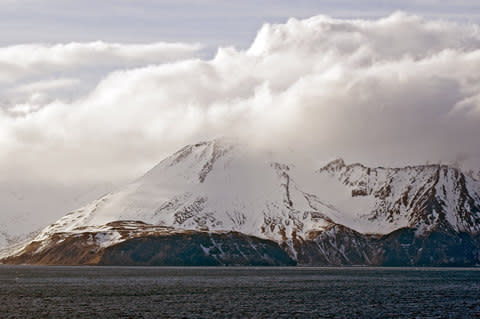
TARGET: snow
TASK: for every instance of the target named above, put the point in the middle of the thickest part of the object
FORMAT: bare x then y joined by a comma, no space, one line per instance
106,239
221,186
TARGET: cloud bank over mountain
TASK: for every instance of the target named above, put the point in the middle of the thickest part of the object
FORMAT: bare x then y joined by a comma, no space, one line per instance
396,90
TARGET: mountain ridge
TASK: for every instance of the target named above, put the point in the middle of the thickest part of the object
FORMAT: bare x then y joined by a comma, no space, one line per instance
219,187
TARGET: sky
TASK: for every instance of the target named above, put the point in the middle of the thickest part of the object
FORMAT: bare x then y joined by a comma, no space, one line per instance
211,22
94,93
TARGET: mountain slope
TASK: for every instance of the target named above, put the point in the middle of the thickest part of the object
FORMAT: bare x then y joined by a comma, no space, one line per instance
211,186
425,197
339,214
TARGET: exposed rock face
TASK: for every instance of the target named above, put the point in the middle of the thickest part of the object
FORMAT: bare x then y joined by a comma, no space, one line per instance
403,247
335,246
151,246
265,212
197,249
426,196
438,248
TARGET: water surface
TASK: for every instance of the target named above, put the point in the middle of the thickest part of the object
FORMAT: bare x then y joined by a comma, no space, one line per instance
171,292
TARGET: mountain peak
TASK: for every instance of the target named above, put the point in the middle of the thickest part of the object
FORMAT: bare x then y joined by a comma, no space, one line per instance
334,165
193,162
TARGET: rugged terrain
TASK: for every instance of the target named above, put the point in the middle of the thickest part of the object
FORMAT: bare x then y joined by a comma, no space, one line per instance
218,203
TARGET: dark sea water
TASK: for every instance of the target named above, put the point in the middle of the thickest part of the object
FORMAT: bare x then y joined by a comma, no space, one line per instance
121,292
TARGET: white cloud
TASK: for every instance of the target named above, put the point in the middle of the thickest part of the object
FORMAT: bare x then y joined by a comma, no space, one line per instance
391,91
44,85
19,61
34,75
31,96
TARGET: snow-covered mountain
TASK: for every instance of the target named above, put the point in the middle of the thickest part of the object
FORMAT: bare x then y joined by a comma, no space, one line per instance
221,187
424,197
27,209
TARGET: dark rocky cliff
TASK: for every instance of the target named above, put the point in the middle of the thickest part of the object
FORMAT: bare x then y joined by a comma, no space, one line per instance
337,246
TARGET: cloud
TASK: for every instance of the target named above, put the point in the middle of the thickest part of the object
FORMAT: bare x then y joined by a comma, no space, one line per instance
33,75
44,85
25,98
392,91
19,61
